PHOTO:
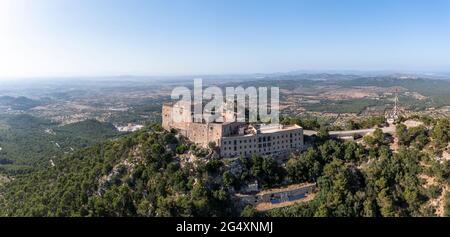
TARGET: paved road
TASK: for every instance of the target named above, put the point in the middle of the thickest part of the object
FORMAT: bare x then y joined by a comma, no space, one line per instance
348,133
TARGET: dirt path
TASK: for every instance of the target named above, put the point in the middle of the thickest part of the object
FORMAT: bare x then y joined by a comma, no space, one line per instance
430,181
412,123
3,180
445,155
441,202
394,146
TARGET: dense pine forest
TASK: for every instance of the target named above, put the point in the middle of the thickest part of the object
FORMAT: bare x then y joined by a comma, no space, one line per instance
136,175
146,174
29,143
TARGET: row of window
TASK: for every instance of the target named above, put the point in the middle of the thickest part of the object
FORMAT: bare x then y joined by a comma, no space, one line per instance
251,152
266,144
269,145
262,139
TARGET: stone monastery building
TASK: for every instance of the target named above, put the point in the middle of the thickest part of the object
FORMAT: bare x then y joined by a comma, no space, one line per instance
233,138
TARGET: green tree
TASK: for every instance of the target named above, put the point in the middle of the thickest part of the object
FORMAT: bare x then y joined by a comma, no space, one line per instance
249,211
304,168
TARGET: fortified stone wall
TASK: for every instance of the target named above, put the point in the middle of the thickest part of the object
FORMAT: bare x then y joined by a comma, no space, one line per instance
277,196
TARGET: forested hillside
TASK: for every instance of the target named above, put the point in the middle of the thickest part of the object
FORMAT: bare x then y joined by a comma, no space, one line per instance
382,176
147,173
28,143
18,103
133,176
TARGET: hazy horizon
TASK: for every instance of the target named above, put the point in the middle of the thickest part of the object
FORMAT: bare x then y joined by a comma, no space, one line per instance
63,38
274,73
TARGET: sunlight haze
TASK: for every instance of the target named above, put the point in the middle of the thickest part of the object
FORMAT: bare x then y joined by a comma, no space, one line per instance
98,37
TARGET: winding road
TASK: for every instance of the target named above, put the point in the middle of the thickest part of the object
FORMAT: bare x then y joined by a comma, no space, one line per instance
349,133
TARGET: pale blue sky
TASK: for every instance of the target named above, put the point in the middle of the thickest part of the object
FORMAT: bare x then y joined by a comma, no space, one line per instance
174,37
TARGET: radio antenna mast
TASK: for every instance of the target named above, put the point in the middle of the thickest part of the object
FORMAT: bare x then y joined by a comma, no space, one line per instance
392,116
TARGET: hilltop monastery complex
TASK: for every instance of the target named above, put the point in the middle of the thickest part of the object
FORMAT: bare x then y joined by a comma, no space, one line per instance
233,138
